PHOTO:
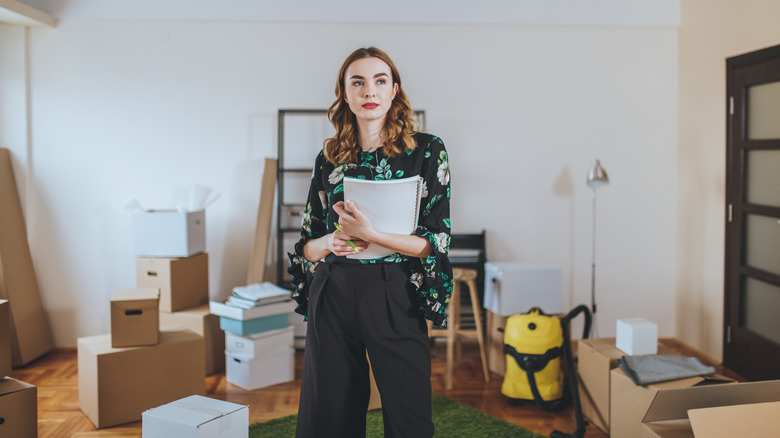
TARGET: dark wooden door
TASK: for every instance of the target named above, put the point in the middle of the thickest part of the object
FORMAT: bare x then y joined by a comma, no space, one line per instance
752,256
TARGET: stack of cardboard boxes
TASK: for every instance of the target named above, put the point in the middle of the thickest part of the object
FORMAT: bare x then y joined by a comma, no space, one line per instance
259,343
137,366
170,249
18,400
163,339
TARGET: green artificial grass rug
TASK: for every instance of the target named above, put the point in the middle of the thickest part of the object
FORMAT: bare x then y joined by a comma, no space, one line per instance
450,419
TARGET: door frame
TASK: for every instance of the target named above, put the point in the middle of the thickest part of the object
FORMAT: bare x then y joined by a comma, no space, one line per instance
739,344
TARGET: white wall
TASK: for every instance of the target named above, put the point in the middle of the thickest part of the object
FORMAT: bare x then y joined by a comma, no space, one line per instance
136,108
711,32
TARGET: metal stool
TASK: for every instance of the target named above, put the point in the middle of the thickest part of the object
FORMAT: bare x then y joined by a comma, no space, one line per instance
453,332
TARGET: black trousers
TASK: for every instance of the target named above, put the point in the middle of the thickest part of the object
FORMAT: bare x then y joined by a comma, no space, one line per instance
354,309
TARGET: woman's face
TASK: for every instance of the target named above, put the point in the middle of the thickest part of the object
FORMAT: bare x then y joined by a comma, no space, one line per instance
369,88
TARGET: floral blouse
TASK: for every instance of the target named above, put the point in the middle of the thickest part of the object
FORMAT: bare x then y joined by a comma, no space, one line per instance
431,275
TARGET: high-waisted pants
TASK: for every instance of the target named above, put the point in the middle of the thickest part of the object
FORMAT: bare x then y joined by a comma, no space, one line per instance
354,309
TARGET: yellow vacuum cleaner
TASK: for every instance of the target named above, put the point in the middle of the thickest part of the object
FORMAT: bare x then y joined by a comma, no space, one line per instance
534,344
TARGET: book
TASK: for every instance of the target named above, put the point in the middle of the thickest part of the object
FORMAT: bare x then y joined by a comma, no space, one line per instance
238,313
392,206
260,291
250,304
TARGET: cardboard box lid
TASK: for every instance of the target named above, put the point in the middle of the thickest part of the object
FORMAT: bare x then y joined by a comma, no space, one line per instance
195,410
753,420
674,404
144,293
136,298
9,385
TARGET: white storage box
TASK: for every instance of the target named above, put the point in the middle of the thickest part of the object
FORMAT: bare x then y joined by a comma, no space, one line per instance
260,344
516,287
197,417
257,372
637,336
169,233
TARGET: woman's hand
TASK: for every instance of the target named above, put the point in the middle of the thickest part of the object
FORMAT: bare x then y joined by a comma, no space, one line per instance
353,222
339,244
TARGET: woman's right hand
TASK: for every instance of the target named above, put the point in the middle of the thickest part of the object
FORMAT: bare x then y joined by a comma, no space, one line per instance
338,243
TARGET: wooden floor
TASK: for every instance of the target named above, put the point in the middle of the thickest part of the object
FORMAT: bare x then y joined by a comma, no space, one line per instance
56,377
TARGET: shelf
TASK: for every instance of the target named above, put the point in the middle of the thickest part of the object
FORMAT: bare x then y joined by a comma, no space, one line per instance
16,13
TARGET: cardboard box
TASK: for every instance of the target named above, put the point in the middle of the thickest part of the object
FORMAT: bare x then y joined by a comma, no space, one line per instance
516,287
116,385
496,359
595,359
135,317
257,372
30,337
718,411
183,282
169,233
197,417
629,403
201,321
18,408
261,343
637,336
5,339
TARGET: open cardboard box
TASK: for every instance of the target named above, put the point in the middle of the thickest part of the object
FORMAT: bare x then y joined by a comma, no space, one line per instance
715,411
596,358
629,402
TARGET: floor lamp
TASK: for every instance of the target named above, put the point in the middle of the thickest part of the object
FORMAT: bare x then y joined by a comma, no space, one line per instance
597,177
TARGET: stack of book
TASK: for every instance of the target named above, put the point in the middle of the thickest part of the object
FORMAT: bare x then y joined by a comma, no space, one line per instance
258,337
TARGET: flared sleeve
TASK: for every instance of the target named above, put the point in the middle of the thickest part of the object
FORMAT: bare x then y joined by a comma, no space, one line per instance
434,279
313,225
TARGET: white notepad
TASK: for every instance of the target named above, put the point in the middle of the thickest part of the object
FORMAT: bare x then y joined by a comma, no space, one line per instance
391,205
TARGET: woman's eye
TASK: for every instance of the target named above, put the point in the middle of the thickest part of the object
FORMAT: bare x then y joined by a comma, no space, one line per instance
381,82
358,83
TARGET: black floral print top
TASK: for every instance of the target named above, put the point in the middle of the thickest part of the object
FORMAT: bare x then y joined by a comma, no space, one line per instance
432,275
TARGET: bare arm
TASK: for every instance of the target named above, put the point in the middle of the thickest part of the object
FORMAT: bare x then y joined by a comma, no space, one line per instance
336,243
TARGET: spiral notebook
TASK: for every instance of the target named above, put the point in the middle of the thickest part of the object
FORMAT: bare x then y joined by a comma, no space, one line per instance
392,205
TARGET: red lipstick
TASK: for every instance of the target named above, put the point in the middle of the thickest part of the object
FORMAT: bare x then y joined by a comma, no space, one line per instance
370,105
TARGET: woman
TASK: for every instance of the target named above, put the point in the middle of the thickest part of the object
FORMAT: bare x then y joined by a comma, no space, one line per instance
377,306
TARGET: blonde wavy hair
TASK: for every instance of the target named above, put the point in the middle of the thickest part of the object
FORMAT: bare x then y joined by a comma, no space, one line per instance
399,123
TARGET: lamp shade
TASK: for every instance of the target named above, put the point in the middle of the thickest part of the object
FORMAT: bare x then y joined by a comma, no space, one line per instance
597,176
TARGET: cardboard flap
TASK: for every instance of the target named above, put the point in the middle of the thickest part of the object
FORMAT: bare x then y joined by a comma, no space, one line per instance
9,386
674,404
753,420
195,410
